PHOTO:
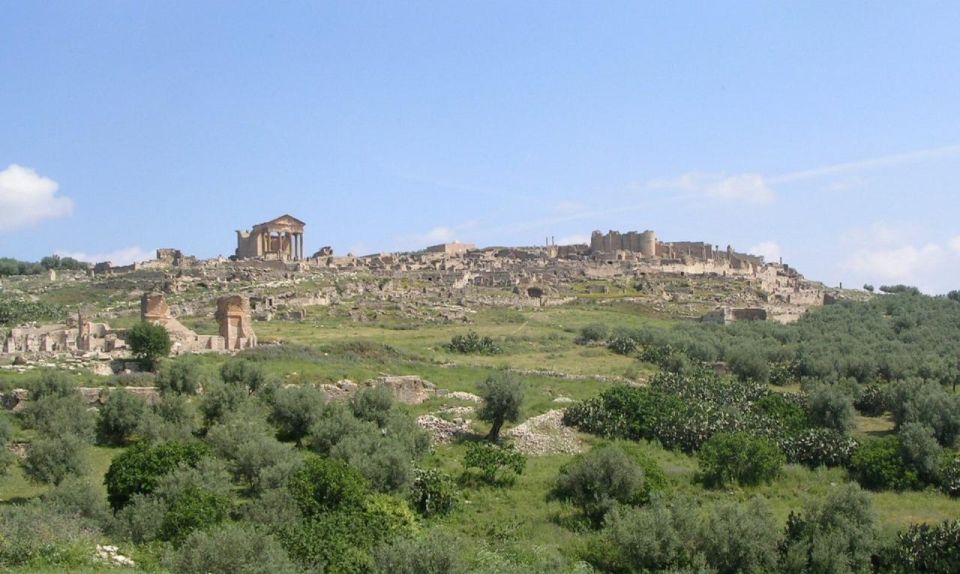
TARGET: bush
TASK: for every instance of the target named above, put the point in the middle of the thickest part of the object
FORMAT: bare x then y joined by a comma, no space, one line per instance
832,408
230,549
120,417
35,536
740,538
739,458
295,410
835,534
926,548
52,383
920,451
472,343
140,519
51,460
57,415
599,480
7,458
652,538
149,342
373,404
221,400
323,485
139,469
930,404
78,497
496,465
748,365
433,492
502,396
246,374
872,401
436,553
592,333
193,509
950,474
622,345
180,377
821,447
173,418
878,464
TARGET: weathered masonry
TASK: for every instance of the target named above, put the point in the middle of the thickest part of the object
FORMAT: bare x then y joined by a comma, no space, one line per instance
278,239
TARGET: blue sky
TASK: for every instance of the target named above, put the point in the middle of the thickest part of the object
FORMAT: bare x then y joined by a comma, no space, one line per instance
825,132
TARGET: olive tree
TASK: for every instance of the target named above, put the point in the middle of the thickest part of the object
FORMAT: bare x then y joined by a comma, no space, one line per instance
502,397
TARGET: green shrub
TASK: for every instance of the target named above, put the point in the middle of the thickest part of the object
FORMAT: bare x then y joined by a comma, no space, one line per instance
790,414
930,404
140,519
139,469
373,404
51,460
495,465
246,374
52,383
502,396
622,345
920,450
230,549
149,342
193,509
57,415
295,410
950,474
323,485
592,333
740,538
739,458
120,417
34,535
821,447
872,400
830,407
436,553
933,549
472,343
655,538
835,534
221,400
878,465
181,376
7,458
78,497
601,479
748,365
433,492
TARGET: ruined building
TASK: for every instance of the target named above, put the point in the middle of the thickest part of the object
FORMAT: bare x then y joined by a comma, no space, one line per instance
279,239
236,328
644,243
233,315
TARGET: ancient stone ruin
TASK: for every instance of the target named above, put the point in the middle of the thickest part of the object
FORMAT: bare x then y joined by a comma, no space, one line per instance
279,239
236,328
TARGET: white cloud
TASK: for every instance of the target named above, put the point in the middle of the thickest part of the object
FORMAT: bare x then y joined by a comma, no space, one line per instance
750,188
27,198
770,250
889,253
908,263
955,244
123,256
755,188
